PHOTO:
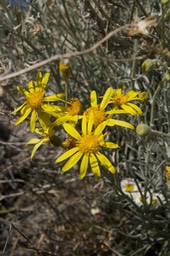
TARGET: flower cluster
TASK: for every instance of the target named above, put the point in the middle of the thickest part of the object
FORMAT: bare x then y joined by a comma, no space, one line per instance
135,191
88,143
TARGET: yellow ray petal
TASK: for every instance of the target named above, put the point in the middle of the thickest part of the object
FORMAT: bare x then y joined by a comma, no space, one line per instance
105,161
36,147
51,108
129,110
24,116
138,110
62,120
33,141
84,125
109,144
90,122
112,122
45,80
100,128
93,99
19,108
55,97
72,161
71,131
67,154
31,86
106,98
94,165
84,166
132,95
116,112
33,121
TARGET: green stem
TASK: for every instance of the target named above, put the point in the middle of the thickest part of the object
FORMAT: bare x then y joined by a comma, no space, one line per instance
66,91
160,133
163,27
154,102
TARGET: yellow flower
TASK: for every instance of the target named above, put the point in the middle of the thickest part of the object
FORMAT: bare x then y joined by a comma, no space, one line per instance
98,110
70,114
167,167
64,69
47,134
123,101
87,146
36,100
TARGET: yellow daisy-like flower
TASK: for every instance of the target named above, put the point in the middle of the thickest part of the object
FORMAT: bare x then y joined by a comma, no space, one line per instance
71,114
100,114
36,100
99,110
123,101
47,134
87,146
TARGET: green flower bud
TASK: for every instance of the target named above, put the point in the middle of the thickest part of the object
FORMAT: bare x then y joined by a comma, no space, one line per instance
167,75
164,1
150,64
142,129
56,141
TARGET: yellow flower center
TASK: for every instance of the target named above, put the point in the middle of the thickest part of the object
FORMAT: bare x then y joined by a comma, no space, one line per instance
88,144
69,143
120,99
99,114
154,201
35,99
75,107
129,187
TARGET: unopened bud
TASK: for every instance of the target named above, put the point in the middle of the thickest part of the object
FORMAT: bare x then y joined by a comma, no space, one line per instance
164,1
142,129
56,141
64,69
150,64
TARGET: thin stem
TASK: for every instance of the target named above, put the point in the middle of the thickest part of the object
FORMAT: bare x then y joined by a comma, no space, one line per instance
66,91
163,27
160,133
67,55
154,102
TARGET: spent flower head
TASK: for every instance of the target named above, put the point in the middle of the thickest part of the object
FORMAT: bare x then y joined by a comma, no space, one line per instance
36,101
87,147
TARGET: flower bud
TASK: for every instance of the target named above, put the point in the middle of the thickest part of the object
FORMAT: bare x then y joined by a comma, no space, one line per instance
142,129
150,64
64,69
164,1
56,141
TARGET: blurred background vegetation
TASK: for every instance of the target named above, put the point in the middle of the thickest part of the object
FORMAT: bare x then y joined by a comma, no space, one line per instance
42,210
